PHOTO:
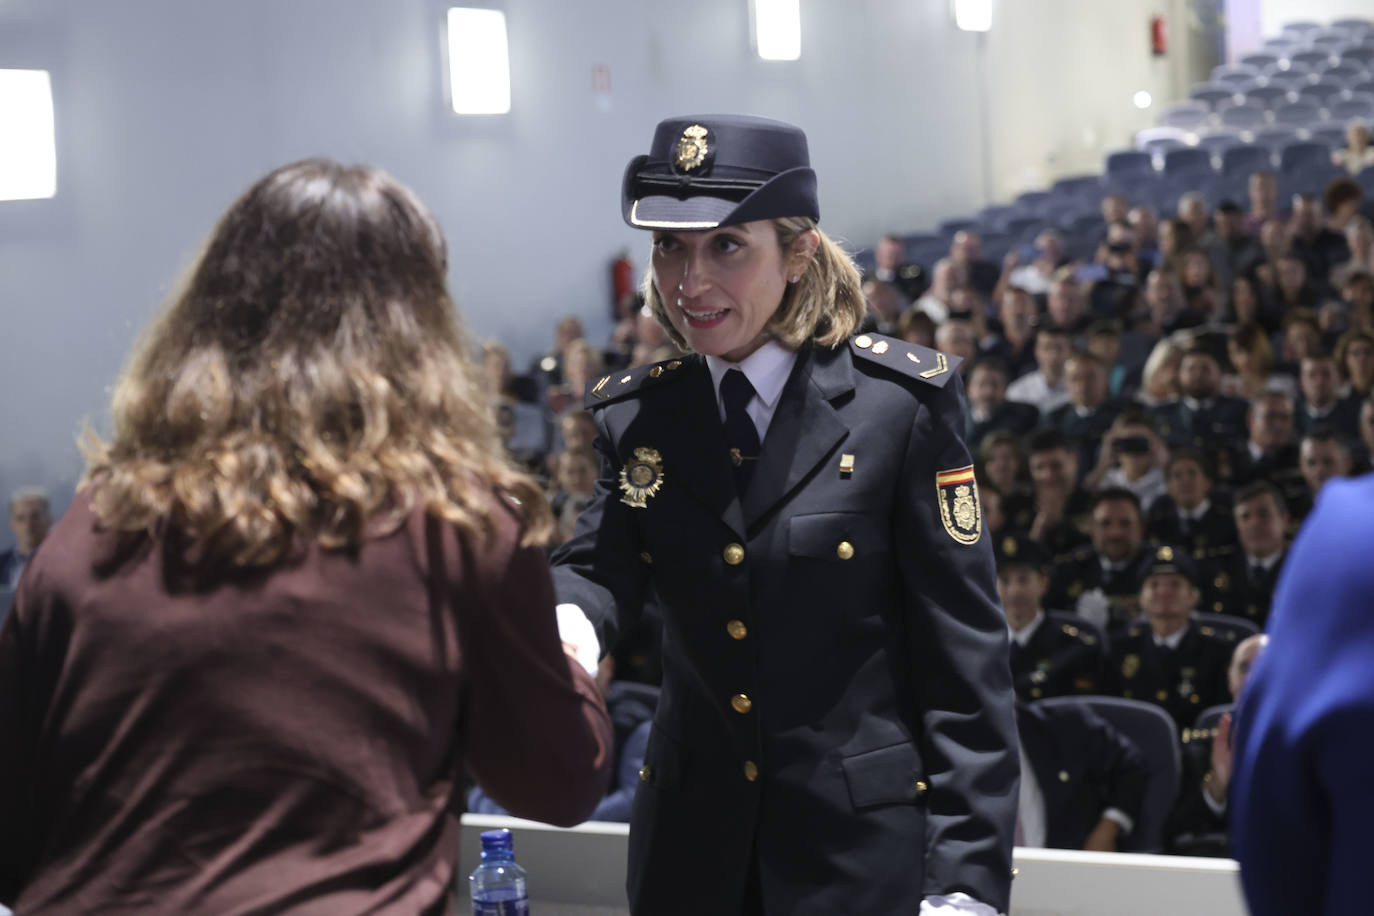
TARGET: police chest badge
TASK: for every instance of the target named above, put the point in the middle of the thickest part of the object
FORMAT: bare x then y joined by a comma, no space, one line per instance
641,477
960,510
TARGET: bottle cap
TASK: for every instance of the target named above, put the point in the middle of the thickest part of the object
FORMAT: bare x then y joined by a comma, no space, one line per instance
497,840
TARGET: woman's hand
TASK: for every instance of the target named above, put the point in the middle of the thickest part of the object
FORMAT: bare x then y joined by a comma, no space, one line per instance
1220,777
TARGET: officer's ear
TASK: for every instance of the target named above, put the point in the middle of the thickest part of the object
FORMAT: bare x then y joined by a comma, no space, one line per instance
804,248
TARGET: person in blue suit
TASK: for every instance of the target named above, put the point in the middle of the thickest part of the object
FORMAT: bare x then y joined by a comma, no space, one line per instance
1301,796
835,730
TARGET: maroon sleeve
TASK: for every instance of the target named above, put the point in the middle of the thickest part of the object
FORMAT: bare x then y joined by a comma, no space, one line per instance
538,737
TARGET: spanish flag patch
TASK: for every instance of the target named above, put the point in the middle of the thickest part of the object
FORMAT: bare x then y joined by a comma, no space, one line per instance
960,510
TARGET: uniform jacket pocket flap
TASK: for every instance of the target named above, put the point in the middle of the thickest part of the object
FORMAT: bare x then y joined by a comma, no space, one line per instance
886,776
821,534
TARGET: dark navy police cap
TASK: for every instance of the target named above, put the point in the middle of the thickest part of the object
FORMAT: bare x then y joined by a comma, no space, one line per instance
1017,549
706,171
1169,559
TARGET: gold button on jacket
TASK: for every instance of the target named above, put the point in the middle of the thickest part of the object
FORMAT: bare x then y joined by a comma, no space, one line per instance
844,550
741,703
737,629
751,770
734,554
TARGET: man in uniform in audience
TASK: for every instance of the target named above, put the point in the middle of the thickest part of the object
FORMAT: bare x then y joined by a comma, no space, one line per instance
966,250
1242,248
1322,455
892,267
1082,781
1049,658
1169,660
1062,507
1203,417
1322,404
1199,825
1270,452
987,407
1189,514
1089,412
1242,585
1101,580
30,518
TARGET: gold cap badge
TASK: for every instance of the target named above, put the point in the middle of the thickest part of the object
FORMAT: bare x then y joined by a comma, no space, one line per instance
641,477
692,148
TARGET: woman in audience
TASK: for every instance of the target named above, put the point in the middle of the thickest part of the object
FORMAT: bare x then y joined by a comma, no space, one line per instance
1159,378
1355,359
1301,336
1359,238
781,474
1003,464
1252,365
299,590
1357,155
1244,305
1201,291
1357,292
1175,241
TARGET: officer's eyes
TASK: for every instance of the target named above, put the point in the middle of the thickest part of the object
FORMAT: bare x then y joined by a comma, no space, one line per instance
665,243
726,243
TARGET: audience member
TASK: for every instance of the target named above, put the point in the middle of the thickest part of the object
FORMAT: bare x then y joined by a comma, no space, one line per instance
987,408
1148,239
956,338
966,250
915,326
1355,360
1014,343
885,306
1159,381
30,518
1357,155
946,277
1242,584
1089,411
1062,507
1002,464
892,267
1036,276
1321,403
1323,454
1188,514
1262,191
1271,452
1244,305
1048,658
1192,210
1252,364
1066,306
1242,249
1169,659
547,370
1100,580
1082,781
1132,458
1199,824
1165,310
1203,417
1045,387
1201,289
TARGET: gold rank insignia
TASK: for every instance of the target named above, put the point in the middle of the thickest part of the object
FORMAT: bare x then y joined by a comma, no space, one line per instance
960,511
692,148
641,477
1130,666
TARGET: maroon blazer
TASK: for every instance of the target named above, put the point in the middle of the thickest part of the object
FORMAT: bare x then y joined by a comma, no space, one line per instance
285,741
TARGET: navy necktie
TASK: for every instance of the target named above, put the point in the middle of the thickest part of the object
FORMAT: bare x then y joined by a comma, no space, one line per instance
741,435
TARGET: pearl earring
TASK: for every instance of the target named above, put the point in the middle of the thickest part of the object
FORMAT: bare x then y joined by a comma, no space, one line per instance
680,303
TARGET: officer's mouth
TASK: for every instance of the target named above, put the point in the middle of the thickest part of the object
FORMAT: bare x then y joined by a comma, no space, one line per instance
702,318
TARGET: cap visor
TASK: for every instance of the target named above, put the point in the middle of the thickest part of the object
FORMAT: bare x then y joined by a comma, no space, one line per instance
663,212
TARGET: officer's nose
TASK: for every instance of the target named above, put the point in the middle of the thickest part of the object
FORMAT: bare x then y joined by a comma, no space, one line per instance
695,275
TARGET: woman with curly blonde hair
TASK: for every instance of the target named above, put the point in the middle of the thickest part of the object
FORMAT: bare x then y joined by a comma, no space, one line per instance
300,588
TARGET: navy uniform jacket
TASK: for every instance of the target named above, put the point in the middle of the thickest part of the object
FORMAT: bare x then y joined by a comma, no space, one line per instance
1081,571
1193,679
836,700
1207,539
1228,588
1010,416
1083,767
1060,659
1301,804
1084,431
1218,422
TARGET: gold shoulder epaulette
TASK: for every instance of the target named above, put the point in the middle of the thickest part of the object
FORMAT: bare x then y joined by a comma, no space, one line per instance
628,381
921,363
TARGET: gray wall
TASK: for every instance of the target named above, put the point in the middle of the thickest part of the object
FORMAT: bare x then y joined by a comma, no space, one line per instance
167,108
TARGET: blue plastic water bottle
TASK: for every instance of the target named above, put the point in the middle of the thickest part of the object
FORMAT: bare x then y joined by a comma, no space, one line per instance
498,884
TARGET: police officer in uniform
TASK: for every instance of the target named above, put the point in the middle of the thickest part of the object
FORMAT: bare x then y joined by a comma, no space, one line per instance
835,730
1051,654
1242,583
1192,513
1169,660
1102,579
1203,418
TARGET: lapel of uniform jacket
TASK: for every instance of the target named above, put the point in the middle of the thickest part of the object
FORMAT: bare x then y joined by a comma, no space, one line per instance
805,428
695,452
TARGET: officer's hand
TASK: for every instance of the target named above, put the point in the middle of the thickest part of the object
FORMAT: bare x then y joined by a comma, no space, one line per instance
1220,779
1104,835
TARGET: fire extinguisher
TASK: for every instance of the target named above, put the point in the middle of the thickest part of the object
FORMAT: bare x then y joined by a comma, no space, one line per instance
622,281
1159,36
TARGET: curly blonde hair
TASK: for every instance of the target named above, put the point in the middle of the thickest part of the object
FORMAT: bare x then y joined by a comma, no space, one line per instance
309,377
826,305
